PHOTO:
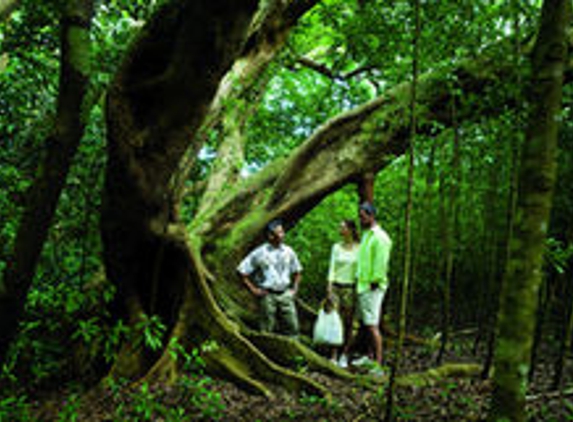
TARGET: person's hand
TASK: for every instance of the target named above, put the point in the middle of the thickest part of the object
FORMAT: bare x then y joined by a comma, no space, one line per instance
294,291
258,292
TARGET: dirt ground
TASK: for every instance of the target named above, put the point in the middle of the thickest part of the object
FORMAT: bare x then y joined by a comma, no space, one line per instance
214,400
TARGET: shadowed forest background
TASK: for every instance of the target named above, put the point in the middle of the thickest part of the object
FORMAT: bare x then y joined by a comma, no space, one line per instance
145,146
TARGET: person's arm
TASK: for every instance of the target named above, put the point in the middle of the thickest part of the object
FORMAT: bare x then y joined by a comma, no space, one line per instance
255,290
381,257
296,277
295,270
245,269
330,277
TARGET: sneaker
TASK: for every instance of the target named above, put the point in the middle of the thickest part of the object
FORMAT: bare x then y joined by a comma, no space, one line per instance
362,361
343,361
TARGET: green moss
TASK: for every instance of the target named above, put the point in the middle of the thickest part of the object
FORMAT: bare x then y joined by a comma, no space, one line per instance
440,374
78,39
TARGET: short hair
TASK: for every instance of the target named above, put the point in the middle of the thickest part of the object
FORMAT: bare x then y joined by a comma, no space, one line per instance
368,208
272,225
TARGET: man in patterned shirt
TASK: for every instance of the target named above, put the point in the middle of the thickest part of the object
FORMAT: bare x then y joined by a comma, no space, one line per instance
272,272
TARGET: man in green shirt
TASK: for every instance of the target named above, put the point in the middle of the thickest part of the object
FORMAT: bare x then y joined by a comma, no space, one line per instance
373,258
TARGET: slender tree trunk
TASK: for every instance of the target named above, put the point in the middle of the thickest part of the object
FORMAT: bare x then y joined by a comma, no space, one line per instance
61,146
451,238
536,181
441,261
544,303
404,285
566,343
423,250
566,329
514,161
491,235
366,187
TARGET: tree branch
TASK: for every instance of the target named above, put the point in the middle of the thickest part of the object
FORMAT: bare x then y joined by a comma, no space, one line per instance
326,71
361,140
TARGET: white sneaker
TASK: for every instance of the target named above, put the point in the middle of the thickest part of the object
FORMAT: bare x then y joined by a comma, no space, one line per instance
343,361
362,361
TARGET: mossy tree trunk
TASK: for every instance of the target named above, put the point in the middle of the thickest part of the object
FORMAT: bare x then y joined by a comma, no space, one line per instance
158,99
536,181
173,85
61,146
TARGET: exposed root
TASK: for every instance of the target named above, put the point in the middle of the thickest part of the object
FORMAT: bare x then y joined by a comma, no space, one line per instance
226,365
164,371
235,357
291,353
435,375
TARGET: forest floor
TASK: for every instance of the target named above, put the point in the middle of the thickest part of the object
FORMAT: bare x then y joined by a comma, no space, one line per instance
453,399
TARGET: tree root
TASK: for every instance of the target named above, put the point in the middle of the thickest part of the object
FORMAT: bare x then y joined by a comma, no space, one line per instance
291,353
435,375
234,357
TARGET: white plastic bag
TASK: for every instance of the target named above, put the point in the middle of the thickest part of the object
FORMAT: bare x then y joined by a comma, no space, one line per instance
328,328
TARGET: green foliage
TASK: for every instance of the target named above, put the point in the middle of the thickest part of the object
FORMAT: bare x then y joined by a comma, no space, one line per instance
70,410
15,408
557,254
60,319
194,390
300,364
150,331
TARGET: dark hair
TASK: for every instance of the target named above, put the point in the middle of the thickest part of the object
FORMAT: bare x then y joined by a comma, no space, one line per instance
272,225
353,229
368,208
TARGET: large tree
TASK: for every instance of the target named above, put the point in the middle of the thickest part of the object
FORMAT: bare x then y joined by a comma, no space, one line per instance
164,93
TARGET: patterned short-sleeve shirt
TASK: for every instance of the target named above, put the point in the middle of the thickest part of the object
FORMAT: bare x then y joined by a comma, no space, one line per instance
271,267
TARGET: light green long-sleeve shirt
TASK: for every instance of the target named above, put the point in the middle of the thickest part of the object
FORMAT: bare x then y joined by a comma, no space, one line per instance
373,258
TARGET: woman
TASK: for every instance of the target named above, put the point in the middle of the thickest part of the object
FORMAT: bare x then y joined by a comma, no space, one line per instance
341,281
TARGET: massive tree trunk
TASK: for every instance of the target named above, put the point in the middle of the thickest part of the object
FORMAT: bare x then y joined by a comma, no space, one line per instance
61,146
156,104
536,181
166,91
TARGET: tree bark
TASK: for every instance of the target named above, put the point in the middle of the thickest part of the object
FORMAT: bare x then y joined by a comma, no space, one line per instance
156,103
61,145
239,94
536,181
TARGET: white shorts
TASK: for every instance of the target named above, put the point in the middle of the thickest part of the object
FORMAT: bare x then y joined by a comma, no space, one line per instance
370,306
